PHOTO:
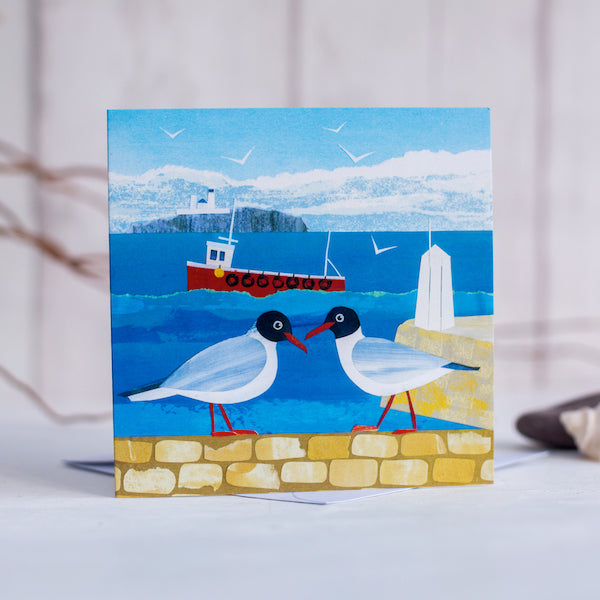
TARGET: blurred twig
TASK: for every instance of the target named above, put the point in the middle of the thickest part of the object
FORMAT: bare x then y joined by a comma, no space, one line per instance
85,265
550,326
553,351
60,178
44,406
92,267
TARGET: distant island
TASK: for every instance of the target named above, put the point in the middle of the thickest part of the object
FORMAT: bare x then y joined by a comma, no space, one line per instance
247,220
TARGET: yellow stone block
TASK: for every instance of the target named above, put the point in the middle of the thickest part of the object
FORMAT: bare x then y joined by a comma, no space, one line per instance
238,450
253,475
404,472
132,452
117,479
328,446
468,442
150,481
376,445
278,448
177,451
353,472
487,470
453,470
304,472
422,444
196,476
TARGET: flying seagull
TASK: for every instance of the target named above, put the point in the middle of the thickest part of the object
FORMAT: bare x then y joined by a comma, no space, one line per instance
240,161
172,135
355,159
335,130
381,250
232,371
381,367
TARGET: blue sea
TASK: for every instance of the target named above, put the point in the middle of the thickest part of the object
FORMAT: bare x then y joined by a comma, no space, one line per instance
157,324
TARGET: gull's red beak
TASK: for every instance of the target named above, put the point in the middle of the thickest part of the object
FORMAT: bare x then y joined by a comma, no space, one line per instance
319,329
295,341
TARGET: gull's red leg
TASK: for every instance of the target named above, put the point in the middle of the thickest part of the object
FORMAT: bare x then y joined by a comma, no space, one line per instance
385,410
233,431
413,417
212,422
376,427
226,417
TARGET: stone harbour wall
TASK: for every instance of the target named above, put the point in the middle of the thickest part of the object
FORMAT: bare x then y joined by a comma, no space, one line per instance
168,466
461,396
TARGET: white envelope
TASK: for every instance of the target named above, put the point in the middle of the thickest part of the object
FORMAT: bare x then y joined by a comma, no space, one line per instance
502,459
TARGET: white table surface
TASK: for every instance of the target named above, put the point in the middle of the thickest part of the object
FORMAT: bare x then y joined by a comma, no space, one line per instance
535,533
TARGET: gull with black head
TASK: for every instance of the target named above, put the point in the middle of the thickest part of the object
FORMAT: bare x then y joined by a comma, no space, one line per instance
232,371
379,366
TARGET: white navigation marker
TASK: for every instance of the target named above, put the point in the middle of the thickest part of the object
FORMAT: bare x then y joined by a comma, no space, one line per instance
172,135
435,305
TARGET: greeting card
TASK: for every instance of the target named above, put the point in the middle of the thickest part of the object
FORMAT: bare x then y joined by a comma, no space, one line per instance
301,299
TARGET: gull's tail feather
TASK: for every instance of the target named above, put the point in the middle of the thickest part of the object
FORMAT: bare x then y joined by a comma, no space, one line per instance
459,367
152,391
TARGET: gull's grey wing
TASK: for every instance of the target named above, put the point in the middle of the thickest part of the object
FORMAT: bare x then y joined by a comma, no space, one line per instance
226,366
387,362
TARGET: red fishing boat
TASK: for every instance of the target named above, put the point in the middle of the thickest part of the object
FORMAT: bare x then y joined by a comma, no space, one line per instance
218,274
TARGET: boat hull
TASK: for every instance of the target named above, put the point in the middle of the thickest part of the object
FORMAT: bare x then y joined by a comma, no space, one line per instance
257,283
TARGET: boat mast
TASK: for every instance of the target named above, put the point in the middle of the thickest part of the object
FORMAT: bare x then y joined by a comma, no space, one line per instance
327,261
326,254
230,239
429,227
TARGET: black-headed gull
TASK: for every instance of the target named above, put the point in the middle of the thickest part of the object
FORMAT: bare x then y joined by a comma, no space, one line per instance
381,367
335,130
379,251
234,370
355,159
239,161
172,135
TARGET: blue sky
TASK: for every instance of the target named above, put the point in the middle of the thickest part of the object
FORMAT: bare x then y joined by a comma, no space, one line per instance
286,140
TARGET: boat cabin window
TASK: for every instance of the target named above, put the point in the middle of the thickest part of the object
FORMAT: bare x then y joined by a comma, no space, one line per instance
213,255
221,255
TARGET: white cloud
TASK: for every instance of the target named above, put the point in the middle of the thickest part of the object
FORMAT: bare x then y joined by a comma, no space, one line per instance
413,164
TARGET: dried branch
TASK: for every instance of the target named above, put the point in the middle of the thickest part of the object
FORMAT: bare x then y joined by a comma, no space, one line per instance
92,267
60,179
28,391
550,326
9,215
78,264
556,351
21,161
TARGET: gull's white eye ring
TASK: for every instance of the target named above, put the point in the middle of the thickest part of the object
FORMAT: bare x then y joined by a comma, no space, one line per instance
278,325
339,317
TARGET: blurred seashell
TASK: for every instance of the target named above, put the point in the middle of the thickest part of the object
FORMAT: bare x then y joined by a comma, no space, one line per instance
584,426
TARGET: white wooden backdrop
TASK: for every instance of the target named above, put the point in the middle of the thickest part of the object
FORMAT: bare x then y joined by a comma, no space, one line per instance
534,62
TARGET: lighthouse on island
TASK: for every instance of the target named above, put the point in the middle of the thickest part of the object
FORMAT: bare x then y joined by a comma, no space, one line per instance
203,207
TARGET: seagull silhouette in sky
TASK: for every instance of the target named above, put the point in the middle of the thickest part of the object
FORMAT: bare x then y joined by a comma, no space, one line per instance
172,135
335,130
240,161
355,159
381,250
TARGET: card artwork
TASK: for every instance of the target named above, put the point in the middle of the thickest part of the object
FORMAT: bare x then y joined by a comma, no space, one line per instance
301,299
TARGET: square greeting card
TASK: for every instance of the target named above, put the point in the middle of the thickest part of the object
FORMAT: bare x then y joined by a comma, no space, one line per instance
301,299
